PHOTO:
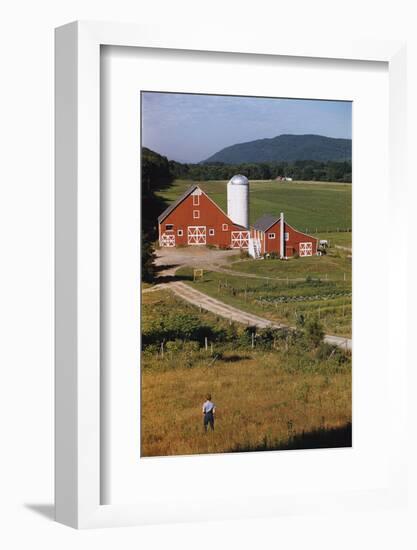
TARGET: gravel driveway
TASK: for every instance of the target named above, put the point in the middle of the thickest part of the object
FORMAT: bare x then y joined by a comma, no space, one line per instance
195,256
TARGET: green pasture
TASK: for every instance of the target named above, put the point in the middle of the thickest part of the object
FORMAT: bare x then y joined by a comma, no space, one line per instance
335,265
337,238
309,206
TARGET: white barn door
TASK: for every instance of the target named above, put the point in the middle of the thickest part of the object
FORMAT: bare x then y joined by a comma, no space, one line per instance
196,234
167,239
306,249
240,239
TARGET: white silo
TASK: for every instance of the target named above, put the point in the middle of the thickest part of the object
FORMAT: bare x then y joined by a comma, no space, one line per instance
238,200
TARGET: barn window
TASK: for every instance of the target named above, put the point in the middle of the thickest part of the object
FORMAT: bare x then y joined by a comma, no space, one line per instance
180,232
271,235
211,232
225,227
196,214
169,226
286,236
196,200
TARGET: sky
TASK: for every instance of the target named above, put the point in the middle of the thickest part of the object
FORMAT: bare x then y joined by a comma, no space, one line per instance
192,127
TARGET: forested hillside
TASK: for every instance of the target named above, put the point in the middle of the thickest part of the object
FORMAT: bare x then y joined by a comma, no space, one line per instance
286,148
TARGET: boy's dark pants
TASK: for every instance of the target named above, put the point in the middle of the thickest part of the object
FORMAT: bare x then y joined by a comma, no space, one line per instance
208,420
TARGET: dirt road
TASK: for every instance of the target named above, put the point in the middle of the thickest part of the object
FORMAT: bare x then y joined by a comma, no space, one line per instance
213,305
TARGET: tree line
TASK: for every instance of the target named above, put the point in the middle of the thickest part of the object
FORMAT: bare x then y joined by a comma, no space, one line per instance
304,170
156,175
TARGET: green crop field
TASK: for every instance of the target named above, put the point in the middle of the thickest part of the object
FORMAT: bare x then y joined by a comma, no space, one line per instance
282,393
308,206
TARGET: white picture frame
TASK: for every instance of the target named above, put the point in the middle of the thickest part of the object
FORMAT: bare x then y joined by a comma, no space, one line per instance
78,405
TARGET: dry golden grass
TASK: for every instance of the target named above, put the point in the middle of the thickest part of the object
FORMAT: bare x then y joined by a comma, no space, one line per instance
259,404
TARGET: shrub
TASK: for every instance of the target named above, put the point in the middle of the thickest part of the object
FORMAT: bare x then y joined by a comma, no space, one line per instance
266,338
148,259
245,337
191,347
151,349
299,320
315,332
174,346
327,351
177,326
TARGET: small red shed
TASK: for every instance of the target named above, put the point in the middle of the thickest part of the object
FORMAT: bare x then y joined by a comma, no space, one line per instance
274,234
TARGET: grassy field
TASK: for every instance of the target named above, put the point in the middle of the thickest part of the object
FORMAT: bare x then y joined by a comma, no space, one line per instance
337,238
288,396
309,206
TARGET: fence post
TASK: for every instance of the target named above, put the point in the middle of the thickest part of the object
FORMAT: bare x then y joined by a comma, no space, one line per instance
253,340
162,350
206,343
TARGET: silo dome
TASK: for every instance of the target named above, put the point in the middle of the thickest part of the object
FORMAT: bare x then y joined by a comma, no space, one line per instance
238,179
238,200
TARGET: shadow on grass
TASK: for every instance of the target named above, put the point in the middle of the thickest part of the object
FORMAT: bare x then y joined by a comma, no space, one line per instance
322,438
233,358
160,278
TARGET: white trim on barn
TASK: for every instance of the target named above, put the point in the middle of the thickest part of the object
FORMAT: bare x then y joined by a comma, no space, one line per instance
306,249
167,240
196,234
240,239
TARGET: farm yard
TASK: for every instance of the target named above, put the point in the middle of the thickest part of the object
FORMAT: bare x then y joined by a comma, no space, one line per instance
284,390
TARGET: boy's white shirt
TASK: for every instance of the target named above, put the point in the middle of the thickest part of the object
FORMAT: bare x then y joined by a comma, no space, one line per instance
211,403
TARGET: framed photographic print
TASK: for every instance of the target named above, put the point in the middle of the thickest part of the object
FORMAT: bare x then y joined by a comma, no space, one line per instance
224,337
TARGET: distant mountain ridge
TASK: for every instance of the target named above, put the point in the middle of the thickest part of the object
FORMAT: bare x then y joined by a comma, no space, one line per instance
285,148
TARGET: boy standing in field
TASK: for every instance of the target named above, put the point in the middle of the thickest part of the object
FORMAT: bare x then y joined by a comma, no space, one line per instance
208,413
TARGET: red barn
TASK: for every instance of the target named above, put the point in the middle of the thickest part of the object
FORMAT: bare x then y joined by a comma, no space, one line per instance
268,230
194,219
